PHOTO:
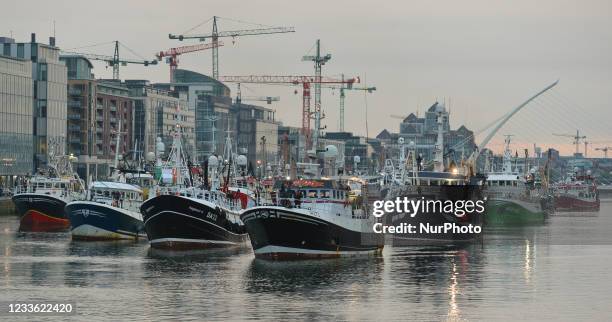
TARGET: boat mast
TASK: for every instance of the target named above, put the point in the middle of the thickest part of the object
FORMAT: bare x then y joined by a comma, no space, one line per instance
507,166
117,146
439,146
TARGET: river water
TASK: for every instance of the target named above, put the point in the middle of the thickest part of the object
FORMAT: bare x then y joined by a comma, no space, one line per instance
556,271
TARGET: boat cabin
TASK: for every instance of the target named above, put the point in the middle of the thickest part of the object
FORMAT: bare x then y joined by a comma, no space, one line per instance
504,180
59,187
115,193
290,193
433,178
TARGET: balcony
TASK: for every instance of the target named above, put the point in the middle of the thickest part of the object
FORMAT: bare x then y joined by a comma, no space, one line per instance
99,129
100,106
74,140
74,128
113,120
74,91
74,116
100,118
76,104
113,108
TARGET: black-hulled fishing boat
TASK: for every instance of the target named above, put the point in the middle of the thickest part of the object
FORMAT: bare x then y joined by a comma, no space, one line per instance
186,215
311,218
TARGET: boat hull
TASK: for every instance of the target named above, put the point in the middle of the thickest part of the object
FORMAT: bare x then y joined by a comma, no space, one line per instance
95,221
283,233
177,222
502,212
572,203
41,213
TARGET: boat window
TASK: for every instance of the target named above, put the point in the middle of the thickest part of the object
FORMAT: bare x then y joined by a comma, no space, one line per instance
47,185
326,194
106,193
335,194
312,194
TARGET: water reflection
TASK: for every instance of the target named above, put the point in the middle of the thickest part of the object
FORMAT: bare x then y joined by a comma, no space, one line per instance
512,274
302,278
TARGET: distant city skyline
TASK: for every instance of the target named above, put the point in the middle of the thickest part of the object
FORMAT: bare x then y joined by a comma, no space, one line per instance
479,57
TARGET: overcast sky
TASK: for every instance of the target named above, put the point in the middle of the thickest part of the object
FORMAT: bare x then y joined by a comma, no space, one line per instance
482,56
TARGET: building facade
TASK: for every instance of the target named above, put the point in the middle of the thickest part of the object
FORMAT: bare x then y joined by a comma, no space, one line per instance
211,102
424,133
16,115
156,114
257,134
96,110
49,78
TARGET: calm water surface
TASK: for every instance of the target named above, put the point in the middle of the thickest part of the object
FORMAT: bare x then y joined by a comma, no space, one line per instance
560,270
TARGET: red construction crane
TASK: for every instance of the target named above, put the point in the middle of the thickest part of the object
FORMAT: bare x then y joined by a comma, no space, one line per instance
173,54
305,81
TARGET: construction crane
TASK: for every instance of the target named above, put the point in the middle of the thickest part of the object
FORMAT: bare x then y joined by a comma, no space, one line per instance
173,53
576,138
342,88
216,34
305,81
587,143
604,150
113,61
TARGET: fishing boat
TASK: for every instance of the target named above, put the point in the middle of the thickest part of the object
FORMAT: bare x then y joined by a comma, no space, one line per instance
514,198
112,209
111,213
185,214
577,193
311,218
41,199
444,182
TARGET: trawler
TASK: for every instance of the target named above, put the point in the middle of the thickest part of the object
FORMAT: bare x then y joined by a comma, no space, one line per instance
40,201
184,214
112,209
442,184
312,218
513,198
577,193
111,213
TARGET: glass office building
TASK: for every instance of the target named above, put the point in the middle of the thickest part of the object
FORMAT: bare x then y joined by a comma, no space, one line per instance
16,127
49,81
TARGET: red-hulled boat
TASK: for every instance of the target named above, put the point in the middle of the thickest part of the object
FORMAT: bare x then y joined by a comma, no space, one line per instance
578,193
40,200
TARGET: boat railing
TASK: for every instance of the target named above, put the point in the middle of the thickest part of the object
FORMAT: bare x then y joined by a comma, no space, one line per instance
315,207
217,197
